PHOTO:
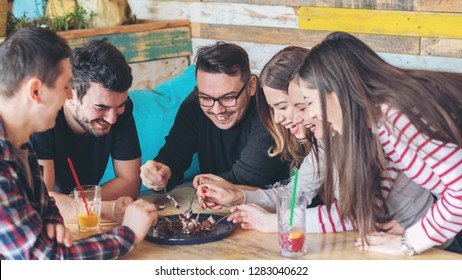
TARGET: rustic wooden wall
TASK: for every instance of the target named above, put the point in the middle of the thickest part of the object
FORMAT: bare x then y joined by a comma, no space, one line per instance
407,33
156,51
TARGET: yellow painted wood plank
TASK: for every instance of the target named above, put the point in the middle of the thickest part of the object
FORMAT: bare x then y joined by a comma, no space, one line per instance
422,24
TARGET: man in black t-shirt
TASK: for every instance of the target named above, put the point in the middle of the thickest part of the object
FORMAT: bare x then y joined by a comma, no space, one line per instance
94,124
219,121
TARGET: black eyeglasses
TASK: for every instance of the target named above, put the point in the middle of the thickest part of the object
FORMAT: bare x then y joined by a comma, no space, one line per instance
225,101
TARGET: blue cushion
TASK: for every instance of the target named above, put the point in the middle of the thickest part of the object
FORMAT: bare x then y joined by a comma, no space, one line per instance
154,113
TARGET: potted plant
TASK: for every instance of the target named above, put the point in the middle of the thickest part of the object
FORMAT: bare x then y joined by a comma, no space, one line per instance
58,15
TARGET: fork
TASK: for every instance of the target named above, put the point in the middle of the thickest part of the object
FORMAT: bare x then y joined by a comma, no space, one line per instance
188,212
171,199
221,219
199,212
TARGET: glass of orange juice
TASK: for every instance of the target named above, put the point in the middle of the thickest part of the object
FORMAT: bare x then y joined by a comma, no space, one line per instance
291,226
88,216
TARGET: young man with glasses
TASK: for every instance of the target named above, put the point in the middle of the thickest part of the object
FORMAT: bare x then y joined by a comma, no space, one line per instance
219,121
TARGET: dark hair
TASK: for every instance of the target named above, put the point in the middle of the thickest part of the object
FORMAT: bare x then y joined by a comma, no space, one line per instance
362,81
31,52
102,63
278,72
226,58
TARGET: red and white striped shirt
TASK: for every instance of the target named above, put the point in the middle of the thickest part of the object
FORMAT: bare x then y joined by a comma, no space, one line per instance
432,164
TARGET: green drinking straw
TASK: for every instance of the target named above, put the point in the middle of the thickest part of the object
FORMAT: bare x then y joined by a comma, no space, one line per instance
294,192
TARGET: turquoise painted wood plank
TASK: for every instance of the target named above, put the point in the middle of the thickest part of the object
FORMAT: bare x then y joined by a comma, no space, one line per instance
147,45
424,62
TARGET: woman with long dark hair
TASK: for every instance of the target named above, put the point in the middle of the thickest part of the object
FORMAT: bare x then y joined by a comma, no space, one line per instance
387,118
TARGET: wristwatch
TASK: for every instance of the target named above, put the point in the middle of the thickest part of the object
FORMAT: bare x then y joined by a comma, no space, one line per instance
406,247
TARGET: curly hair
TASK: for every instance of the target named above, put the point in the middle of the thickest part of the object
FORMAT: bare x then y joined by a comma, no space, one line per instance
102,63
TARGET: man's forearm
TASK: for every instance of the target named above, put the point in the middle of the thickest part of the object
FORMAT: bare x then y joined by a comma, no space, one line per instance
66,206
117,187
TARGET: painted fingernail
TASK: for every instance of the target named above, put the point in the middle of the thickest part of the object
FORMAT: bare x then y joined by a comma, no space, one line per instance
204,191
203,207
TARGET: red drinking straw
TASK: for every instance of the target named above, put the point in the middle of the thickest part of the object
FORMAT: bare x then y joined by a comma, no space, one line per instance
78,184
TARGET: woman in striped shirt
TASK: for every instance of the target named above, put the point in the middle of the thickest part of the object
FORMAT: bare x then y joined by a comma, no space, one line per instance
387,118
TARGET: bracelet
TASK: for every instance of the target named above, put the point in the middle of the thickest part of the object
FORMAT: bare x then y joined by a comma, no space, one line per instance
406,247
243,195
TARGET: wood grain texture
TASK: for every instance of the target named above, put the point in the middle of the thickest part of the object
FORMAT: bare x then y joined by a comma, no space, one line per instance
147,45
251,244
217,13
3,12
442,47
259,54
144,25
451,6
150,74
425,24
405,5
307,38
399,5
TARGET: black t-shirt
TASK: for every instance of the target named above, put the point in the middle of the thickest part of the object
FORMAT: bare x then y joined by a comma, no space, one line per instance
239,154
89,154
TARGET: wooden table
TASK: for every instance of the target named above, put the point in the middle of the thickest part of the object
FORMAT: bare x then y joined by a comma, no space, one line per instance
252,244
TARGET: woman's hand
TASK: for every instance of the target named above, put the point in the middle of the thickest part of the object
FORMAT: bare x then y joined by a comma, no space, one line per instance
212,179
381,242
215,197
217,180
392,227
252,216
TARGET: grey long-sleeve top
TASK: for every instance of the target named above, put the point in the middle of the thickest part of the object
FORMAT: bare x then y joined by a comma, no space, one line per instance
406,200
